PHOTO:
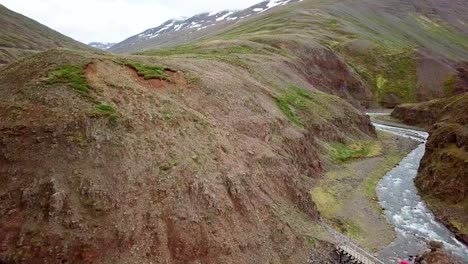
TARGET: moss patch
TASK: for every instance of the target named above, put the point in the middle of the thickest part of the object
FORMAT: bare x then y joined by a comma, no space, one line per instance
341,153
108,111
72,75
297,103
449,84
149,72
326,202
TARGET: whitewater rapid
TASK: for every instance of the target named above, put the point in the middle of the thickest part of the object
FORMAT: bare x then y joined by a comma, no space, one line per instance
414,223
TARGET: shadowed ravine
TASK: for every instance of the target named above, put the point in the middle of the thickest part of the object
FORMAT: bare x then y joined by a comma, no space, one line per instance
414,223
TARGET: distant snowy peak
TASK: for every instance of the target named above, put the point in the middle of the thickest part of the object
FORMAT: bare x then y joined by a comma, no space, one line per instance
101,45
204,20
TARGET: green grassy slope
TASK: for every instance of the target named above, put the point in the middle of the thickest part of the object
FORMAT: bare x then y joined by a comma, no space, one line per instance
383,41
21,36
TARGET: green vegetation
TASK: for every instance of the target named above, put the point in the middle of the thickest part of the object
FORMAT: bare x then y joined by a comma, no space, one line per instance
200,50
442,30
381,81
296,99
70,74
387,70
326,201
346,194
385,166
449,86
302,224
225,54
287,109
341,153
108,111
149,72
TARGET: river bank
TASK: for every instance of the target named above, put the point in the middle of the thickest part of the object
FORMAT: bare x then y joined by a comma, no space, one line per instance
414,223
398,224
346,196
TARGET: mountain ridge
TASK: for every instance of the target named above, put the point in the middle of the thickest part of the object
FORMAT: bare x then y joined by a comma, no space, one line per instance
166,33
101,45
21,36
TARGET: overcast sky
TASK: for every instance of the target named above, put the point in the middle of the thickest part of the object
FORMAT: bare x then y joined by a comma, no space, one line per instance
114,20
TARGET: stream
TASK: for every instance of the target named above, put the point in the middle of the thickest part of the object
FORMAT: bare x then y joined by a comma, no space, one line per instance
414,223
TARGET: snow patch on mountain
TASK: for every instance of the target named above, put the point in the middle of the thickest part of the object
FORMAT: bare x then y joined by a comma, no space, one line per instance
101,45
179,28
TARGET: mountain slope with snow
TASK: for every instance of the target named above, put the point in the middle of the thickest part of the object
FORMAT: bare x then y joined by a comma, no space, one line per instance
182,31
101,45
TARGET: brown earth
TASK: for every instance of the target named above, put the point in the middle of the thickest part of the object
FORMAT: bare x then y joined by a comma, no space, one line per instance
325,69
442,178
188,173
436,255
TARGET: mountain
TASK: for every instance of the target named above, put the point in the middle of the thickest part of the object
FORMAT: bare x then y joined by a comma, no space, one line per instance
404,51
21,36
174,32
207,152
101,45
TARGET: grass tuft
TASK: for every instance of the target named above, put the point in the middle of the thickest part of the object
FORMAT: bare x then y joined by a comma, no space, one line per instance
341,153
295,98
449,84
149,72
287,108
108,111
70,74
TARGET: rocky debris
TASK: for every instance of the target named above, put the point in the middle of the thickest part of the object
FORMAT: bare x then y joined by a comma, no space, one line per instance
436,255
390,100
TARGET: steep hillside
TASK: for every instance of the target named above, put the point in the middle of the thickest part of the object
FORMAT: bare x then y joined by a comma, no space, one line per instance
404,51
442,179
176,32
21,36
167,160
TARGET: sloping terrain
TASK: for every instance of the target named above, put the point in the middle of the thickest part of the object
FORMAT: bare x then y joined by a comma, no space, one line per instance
173,32
201,153
442,179
21,36
136,159
404,51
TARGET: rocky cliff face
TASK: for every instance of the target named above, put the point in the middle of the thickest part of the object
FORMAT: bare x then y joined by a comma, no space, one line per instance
443,178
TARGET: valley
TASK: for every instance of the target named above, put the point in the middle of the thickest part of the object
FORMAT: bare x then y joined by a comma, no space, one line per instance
238,136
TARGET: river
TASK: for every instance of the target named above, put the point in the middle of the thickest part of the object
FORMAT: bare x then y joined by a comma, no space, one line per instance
414,223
